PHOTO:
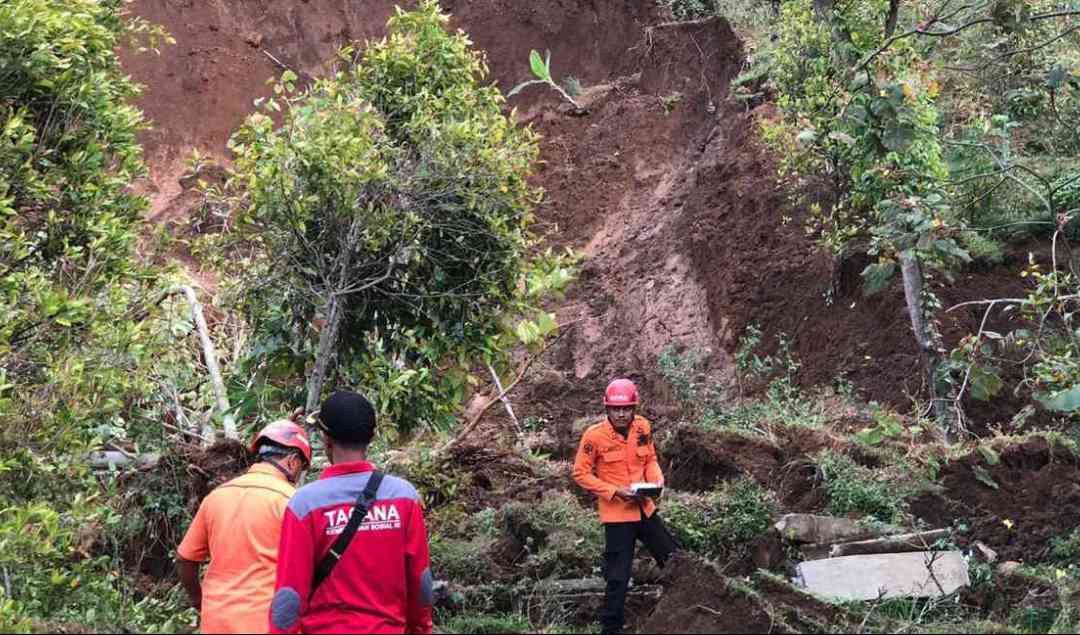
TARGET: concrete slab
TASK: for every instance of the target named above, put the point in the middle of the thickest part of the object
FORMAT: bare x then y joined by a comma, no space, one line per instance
887,575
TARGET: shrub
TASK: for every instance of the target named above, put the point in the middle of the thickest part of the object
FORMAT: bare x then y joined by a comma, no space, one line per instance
1066,549
485,623
462,561
722,522
852,488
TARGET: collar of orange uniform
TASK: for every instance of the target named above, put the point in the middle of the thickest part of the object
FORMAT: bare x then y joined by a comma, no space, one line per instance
613,433
268,470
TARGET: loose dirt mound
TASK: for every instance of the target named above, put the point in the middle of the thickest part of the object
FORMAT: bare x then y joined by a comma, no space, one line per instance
199,90
698,459
617,182
1038,493
499,476
699,599
1011,593
155,500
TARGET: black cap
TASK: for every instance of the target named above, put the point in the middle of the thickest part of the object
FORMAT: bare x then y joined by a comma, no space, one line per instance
348,417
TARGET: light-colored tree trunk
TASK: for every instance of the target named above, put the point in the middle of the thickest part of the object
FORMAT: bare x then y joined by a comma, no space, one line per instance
221,396
327,347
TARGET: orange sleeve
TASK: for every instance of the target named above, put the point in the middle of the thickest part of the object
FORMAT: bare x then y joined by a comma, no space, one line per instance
584,474
195,547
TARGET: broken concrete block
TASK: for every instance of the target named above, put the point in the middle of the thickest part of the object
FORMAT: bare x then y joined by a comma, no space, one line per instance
889,575
827,529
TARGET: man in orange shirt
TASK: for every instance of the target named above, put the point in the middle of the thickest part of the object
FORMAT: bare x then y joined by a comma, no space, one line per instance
238,526
614,454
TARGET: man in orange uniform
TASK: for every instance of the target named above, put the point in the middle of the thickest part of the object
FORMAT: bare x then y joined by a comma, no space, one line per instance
238,526
614,454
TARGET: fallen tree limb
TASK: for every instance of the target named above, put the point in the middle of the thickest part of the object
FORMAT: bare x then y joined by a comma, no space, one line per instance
109,459
210,358
475,421
902,543
919,541
210,355
506,401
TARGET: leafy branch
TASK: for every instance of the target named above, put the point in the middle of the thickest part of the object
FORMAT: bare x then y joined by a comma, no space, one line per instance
541,68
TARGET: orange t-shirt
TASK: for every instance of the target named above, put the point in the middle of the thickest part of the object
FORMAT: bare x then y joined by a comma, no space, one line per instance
238,526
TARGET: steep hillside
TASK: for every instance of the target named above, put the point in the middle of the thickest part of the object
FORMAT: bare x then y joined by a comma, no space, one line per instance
662,184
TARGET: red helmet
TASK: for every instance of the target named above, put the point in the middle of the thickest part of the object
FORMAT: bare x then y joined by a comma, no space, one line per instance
287,434
621,392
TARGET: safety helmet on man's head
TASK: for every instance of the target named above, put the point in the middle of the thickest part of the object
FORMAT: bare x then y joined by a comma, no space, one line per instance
286,434
621,392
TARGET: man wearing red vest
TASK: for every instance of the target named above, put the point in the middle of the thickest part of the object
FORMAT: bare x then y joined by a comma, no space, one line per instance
381,582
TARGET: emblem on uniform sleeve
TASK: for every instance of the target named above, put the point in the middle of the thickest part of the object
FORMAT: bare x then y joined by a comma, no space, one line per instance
588,447
643,439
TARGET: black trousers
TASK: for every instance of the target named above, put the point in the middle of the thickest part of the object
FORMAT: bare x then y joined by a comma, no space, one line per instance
621,540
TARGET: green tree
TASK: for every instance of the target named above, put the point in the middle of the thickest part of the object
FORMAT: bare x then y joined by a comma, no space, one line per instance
867,122
389,214
886,104
78,354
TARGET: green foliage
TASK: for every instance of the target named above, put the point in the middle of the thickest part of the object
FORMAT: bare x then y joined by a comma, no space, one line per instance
722,522
852,488
67,219
682,374
561,537
434,477
84,345
1049,354
404,171
746,361
874,131
487,623
887,426
461,561
541,68
1066,549
705,403
933,146
690,9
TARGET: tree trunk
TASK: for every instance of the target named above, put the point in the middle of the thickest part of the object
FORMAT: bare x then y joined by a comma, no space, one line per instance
210,358
328,338
327,347
894,15
931,357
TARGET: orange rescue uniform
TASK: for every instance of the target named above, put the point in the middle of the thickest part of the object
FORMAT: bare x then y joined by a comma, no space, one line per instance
606,461
238,526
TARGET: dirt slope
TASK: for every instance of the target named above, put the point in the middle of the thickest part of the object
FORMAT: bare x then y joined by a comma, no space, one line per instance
662,184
